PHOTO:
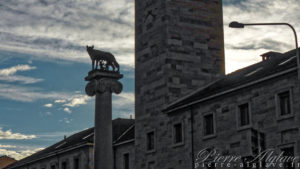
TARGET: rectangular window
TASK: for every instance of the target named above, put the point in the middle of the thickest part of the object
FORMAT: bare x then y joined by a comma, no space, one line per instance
244,114
284,103
126,161
76,163
288,152
64,165
177,133
150,141
209,124
151,165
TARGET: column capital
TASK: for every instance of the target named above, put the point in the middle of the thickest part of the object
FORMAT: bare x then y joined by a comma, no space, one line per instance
103,81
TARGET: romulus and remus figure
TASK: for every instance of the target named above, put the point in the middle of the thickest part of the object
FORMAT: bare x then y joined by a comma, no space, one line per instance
101,57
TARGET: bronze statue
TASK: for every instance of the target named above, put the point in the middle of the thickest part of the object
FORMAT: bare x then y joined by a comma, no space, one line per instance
102,58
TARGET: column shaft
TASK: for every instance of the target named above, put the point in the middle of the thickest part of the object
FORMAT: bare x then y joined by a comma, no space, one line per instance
103,151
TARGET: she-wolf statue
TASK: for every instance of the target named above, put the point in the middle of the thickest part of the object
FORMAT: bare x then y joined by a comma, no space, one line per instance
100,57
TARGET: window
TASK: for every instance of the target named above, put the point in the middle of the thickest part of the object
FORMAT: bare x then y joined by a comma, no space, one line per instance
244,115
209,124
64,165
151,165
150,141
52,166
126,161
288,152
178,133
76,163
284,103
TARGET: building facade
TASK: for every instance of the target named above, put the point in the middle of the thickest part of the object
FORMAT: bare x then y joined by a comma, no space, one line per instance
76,151
185,103
178,47
249,112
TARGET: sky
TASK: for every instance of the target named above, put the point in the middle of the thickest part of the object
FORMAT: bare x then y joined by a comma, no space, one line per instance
43,60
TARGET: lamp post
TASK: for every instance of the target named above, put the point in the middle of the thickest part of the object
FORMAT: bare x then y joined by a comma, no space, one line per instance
242,25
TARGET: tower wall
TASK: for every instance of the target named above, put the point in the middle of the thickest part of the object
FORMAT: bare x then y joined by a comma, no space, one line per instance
179,48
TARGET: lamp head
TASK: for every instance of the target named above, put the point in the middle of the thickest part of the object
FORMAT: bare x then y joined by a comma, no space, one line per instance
235,24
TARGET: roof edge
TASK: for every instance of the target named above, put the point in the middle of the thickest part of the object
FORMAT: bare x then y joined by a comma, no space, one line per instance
170,110
165,109
126,131
51,154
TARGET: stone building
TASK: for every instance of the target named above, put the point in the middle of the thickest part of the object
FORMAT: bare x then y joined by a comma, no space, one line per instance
184,101
244,113
178,48
76,151
5,161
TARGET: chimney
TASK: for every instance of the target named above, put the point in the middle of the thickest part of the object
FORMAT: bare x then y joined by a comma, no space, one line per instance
270,55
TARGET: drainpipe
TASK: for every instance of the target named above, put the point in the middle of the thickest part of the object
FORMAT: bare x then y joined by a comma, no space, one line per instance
192,135
114,153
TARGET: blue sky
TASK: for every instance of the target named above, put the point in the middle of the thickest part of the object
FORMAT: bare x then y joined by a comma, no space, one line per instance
43,60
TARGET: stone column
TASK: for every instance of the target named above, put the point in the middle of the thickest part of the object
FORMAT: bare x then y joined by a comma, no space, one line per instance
102,84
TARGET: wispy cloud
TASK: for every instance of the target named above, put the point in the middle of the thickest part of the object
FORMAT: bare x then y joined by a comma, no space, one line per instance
7,146
52,136
128,115
77,100
66,120
28,94
8,74
73,101
60,101
18,154
66,109
123,99
9,135
244,46
123,105
48,113
60,30
15,69
48,105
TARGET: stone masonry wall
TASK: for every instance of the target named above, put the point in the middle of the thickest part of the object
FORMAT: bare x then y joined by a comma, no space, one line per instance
179,48
119,153
231,139
83,154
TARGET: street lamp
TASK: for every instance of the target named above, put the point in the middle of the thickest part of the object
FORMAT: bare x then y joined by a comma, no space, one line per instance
242,25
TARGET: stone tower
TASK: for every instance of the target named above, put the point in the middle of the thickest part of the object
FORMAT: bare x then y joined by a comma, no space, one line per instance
179,48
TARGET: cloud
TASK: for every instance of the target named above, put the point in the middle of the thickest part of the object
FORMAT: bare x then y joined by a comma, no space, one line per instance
66,109
244,46
66,120
128,115
52,136
123,105
28,94
60,30
7,146
60,101
8,74
15,69
123,99
48,105
9,135
18,154
77,100
48,113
